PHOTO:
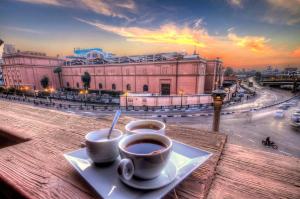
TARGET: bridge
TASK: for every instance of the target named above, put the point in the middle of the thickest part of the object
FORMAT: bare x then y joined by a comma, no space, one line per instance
278,81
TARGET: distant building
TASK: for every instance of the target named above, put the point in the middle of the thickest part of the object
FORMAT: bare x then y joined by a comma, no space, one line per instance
9,49
87,56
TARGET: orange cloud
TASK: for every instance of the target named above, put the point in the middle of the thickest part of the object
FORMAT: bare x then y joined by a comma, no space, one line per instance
296,53
168,33
254,43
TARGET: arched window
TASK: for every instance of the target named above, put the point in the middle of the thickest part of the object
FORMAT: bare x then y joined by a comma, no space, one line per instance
68,84
77,85
100,86
145,88
113,87
128,87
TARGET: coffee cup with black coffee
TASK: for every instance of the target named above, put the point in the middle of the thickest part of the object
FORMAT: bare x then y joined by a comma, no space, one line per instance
143,155
145,126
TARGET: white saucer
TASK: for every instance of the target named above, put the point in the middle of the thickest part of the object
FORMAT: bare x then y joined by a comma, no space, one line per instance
167,175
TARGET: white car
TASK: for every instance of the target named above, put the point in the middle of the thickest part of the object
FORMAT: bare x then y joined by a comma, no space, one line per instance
279,114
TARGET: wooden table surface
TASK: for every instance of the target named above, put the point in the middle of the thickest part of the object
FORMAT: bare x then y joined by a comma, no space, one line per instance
36,168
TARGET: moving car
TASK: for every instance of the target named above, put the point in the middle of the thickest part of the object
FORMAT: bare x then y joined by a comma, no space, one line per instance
279,114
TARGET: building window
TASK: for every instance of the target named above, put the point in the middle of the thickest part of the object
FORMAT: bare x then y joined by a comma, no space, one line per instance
68,84
128,87
113,87
77,85
100,86
145,88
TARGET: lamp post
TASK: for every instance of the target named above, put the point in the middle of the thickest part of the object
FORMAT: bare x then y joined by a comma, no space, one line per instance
126,97
218,97
181,95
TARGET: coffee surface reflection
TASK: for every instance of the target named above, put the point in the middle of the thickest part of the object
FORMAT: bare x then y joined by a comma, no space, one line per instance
145,146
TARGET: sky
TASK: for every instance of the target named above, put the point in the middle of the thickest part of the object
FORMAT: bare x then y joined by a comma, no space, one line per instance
243,33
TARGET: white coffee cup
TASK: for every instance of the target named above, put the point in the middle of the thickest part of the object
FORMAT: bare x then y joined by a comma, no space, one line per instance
144,166
144,126
101,149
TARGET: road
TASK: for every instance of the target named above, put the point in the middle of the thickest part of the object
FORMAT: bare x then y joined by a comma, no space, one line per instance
249,129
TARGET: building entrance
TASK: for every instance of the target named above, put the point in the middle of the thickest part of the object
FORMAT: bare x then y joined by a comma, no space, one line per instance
165,89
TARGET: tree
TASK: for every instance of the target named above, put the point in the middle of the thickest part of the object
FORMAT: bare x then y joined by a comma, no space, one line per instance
58,71
86,80
229,71
45,82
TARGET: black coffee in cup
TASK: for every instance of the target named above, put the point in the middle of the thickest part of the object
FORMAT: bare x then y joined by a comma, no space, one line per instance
145,146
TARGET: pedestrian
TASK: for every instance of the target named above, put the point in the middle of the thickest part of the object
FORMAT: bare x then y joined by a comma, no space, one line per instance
165,120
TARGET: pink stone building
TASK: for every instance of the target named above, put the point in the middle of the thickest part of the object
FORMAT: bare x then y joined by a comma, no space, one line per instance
167,77
192,75
28,68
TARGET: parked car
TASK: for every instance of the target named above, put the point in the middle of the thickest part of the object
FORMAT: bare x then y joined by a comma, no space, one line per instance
279,113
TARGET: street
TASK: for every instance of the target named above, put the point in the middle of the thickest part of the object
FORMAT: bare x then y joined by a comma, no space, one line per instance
250,128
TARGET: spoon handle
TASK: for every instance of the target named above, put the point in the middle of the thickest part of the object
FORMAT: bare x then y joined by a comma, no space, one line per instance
116,118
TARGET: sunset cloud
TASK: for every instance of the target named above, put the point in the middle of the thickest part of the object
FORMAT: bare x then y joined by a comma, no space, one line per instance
235,3
104,7
168,33
254,43
296,53
21,29
47,2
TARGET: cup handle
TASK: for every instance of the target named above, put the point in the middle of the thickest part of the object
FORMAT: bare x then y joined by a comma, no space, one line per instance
126,169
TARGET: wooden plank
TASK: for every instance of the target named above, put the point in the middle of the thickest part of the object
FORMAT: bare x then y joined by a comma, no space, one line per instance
249,173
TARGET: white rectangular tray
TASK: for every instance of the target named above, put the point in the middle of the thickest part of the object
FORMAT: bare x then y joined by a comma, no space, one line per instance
107,184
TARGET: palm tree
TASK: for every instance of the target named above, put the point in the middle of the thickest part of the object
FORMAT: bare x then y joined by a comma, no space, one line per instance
58,70
86,80
45,82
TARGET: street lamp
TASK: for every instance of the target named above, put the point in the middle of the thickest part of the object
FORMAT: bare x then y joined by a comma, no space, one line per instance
218,97
181,95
